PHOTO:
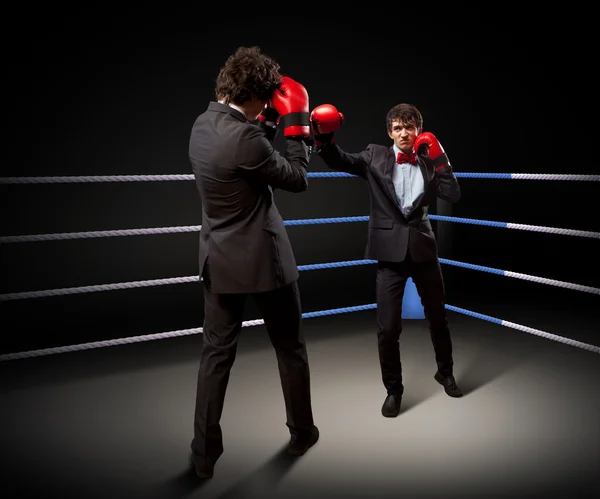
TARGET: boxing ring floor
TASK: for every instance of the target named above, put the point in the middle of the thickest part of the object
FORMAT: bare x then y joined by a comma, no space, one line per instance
116,422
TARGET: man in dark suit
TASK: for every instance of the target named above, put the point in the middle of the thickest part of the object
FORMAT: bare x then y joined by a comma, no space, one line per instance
404,180
244,246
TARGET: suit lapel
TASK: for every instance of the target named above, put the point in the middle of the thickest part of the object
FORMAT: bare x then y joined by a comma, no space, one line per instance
388,172
389,183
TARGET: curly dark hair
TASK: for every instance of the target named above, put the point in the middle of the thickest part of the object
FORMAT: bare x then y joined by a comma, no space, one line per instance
404,113
247,73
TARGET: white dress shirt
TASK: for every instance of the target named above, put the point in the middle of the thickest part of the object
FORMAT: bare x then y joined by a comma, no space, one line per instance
409,185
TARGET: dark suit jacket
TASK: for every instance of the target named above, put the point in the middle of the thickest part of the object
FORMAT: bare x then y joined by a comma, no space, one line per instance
391,235
236,169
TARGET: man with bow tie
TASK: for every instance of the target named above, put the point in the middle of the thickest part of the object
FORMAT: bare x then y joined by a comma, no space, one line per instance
403,180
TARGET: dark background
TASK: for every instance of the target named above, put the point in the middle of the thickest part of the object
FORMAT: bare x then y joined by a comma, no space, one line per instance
116,92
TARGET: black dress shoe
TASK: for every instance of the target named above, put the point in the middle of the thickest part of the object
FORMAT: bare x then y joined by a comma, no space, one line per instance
449,384
302,441
391,406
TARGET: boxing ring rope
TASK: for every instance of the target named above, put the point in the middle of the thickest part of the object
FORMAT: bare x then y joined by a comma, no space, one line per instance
258,322
306,221
315,266
179,280
177,177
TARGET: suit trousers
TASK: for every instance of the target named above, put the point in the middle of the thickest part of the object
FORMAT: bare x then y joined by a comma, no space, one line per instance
281,311
390,286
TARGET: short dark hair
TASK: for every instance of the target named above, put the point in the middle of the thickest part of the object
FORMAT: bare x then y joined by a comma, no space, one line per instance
247,73
405,113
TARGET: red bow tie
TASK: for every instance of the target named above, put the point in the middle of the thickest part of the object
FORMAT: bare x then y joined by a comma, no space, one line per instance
406,158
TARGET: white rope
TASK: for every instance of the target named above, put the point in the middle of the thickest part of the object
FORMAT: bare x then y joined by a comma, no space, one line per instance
120,341
256,322
97,178
100,233
196,228
553,282
526,329
97,287
554,337
545,176
177,177
526,277
554,230
188,279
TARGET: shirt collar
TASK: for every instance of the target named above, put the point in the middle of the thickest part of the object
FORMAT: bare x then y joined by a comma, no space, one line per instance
234,107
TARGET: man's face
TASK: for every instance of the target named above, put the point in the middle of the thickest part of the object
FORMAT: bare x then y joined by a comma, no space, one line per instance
403,135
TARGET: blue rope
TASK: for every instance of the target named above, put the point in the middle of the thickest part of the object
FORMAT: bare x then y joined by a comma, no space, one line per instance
475,314
329,174
343,310
510,176
331,265
371,306
352,263
483,175
471,266
456,174
312,221
474,221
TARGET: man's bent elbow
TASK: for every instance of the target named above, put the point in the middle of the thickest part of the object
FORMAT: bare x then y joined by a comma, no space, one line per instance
302,185
454,198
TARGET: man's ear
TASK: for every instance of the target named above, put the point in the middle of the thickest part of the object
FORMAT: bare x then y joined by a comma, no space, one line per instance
390,135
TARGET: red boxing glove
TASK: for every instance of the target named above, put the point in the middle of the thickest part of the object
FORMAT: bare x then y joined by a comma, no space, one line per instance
428,145
290,100
324,120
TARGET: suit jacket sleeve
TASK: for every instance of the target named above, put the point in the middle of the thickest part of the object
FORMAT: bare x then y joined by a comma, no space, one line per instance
259,160
447,186
352,163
